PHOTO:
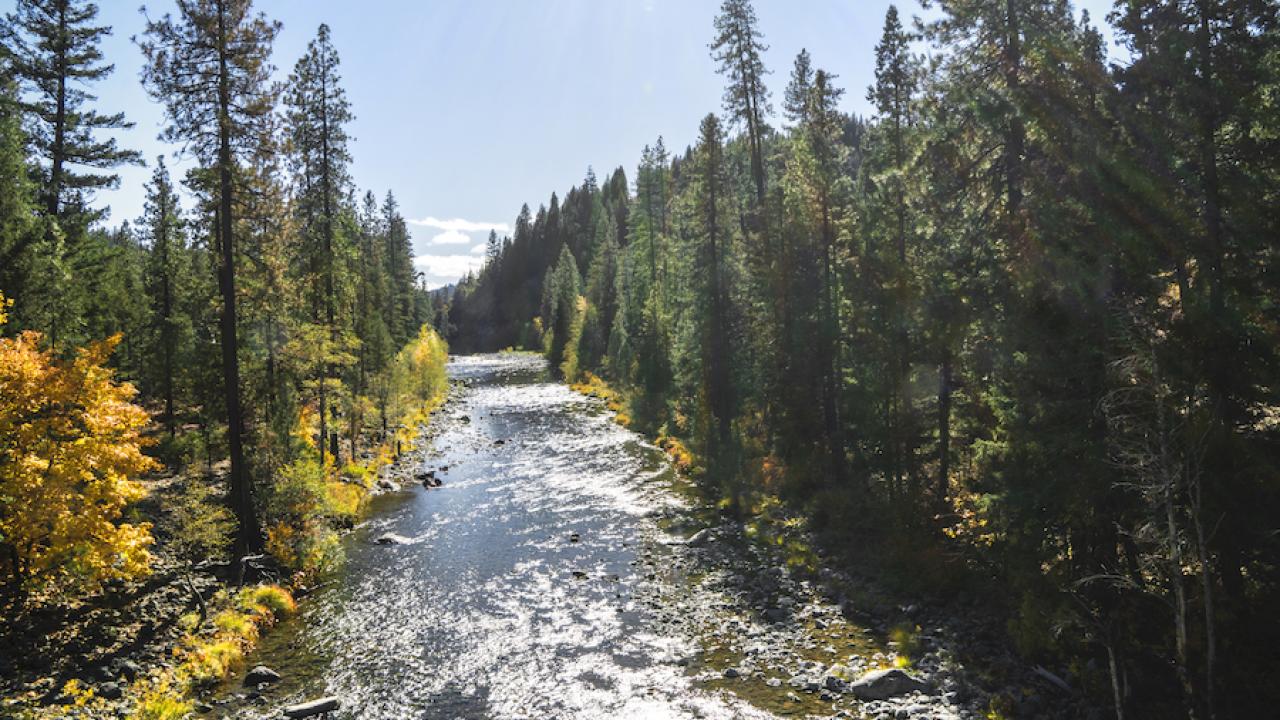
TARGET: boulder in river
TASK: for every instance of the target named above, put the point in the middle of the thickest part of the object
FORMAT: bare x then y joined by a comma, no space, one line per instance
313,707
391,538
261,674
884,684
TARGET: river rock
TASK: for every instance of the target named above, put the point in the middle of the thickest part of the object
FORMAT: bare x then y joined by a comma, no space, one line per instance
840,672
391,539
883,684
110,691
128,668
313,707
700,538
261,674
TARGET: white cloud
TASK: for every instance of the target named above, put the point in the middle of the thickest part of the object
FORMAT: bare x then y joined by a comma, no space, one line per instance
439,270
479,249
459,225
451,237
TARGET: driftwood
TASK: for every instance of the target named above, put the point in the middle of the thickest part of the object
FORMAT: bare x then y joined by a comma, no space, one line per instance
314,707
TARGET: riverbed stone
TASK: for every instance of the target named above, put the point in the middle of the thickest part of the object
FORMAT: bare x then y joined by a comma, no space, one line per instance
261,674
391,538
883,684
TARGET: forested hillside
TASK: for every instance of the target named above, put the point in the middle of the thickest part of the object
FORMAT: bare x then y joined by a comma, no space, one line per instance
1017,328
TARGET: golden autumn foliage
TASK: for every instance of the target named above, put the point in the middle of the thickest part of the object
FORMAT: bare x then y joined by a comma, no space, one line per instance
309,500
418,372
70,448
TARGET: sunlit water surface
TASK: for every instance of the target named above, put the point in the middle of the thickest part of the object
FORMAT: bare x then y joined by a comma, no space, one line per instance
491,610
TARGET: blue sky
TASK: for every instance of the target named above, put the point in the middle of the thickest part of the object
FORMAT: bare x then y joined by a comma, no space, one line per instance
468,108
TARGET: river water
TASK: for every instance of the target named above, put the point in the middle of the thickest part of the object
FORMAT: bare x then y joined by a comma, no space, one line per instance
532,584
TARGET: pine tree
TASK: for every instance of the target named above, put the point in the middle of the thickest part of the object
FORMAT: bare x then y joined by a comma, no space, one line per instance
17,197
167,278
796,103
54,49
893,95
562,285
318,112
372,293
815,169
211,68
400,273
712,193
737,47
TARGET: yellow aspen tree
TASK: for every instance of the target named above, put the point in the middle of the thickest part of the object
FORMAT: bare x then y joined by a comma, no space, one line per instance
70,450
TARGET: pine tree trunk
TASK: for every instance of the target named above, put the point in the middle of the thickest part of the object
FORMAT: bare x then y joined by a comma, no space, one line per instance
1206,589
830,414
247,538
167,350
326,186
59,150
944,429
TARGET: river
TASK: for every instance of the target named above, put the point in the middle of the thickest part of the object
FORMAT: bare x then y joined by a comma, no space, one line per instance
535,583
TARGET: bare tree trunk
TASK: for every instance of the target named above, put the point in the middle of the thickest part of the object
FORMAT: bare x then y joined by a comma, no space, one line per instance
1117,686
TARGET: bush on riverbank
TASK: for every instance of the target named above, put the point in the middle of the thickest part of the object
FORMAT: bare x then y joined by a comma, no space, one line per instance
70,455
311,500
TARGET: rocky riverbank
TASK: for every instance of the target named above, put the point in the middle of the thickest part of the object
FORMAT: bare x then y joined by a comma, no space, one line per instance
801,639
104,642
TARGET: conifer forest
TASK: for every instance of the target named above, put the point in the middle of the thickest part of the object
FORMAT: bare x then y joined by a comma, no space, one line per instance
963,404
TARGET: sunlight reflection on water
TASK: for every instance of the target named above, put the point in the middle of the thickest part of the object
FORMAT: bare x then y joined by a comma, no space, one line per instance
491,610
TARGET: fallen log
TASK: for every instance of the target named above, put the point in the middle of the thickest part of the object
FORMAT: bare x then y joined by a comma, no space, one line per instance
314,707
